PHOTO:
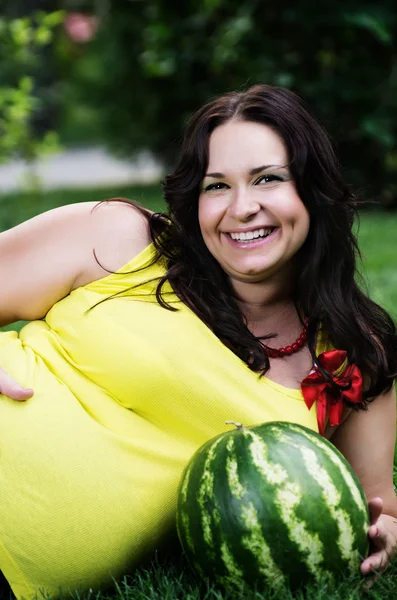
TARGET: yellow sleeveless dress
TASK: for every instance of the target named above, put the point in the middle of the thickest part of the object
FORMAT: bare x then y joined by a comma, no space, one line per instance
124,394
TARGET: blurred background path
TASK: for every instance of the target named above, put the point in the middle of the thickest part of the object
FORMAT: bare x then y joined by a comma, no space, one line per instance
80,168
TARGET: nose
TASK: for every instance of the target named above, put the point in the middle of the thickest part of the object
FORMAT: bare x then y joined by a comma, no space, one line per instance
243,205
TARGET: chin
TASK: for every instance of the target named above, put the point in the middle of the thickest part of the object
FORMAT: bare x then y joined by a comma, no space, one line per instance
257,272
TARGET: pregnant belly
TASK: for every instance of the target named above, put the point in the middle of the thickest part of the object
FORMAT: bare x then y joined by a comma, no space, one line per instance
79,504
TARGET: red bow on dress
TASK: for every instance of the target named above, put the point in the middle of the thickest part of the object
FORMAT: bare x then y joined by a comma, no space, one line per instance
316,387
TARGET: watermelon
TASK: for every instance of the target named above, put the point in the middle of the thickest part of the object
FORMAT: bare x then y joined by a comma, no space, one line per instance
269,506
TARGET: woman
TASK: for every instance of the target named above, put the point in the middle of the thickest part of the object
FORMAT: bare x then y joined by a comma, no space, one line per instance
157,330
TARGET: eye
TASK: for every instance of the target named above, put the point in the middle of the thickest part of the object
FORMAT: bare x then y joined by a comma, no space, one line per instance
215,186
269,179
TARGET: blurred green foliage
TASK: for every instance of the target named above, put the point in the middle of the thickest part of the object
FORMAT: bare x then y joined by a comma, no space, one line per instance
155,62
21,40
152,63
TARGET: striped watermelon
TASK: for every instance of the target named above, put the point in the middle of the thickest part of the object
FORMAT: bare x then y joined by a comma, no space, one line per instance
271,505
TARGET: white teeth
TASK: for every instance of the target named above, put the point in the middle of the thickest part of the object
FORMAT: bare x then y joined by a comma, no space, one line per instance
250,235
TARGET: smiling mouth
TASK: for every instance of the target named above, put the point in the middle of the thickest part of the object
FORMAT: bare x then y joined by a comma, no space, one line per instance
248,236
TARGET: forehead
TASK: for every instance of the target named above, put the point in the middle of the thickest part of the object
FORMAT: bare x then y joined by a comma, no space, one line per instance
244,145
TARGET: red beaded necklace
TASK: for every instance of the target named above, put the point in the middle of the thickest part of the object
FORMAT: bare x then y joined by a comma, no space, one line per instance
288,350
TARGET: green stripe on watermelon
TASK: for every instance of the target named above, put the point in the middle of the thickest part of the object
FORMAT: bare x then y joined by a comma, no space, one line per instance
311,524
347,473
279,523
253,540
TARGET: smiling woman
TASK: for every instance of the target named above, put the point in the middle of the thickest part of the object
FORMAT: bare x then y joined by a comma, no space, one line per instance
150,331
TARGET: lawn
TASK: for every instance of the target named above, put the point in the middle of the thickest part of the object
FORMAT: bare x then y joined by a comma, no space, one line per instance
167,576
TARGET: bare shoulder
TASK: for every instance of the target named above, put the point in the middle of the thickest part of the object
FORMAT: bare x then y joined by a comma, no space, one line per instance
378,420
44,258
117,232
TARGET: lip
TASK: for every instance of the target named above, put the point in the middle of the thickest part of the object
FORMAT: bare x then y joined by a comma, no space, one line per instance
251,244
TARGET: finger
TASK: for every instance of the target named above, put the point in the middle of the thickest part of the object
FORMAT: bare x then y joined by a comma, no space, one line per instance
9,387
375,563
379,535
375,507
18,393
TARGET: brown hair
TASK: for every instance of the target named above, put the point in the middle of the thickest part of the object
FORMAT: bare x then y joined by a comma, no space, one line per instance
326,290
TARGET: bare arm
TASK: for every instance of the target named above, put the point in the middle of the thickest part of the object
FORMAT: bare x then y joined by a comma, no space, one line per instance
367,440
45,258
39,261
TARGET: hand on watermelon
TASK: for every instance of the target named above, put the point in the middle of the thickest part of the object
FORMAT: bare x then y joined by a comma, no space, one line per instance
383,542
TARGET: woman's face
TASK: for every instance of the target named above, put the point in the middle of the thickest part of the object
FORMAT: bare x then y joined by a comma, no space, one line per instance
251,217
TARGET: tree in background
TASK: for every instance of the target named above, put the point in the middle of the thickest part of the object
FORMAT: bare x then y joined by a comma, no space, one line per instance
133,71
153,62
22,40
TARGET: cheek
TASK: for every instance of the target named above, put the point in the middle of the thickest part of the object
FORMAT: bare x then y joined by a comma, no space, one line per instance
302,227
296,212
296,215
202,214
208,215
301,213
304,217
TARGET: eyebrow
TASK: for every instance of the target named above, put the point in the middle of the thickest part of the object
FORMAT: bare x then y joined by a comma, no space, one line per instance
252,172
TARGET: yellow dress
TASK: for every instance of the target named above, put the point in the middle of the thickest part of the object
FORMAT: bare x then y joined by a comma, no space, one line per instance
124,394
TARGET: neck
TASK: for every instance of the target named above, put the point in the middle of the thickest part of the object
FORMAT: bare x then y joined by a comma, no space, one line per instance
268,309
259,300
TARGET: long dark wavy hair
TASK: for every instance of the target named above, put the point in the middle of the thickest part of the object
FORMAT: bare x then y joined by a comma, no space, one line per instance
326,289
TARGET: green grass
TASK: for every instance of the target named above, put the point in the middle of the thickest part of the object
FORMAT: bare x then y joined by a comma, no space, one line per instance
377,237
167,576
170,579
